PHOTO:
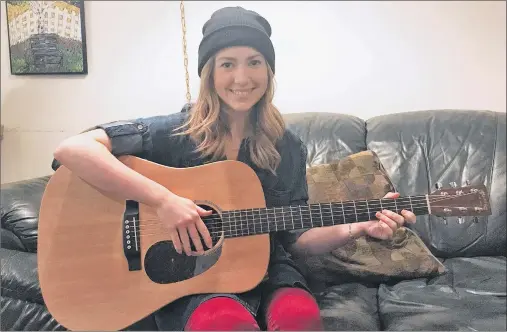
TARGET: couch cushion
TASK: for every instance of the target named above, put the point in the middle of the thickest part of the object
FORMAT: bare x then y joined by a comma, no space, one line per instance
356,177
349,307
470,297
419,149
20,209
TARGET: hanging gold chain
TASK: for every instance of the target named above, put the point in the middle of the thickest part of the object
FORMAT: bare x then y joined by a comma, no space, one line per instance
185,56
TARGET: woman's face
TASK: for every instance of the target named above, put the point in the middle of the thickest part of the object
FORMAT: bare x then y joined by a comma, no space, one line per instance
240,77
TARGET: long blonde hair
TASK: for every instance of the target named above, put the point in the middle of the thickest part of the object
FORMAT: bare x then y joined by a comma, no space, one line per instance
208,127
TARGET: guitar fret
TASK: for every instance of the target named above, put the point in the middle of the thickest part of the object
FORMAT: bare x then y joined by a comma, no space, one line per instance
253,219
283,219
241,216
301,214
321,216
260,220
332,214
343,211
274,218
291,217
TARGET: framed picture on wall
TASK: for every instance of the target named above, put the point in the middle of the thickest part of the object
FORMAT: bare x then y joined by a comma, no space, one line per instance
47,37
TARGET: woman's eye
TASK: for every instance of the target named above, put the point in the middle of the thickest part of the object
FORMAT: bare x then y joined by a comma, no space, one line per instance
226,64
255,62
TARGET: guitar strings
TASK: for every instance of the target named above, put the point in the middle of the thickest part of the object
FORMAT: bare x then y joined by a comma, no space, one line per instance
231,227
222,224
218,230
311,208
326,212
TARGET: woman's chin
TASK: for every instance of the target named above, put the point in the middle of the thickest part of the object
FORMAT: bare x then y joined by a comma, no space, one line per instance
240,106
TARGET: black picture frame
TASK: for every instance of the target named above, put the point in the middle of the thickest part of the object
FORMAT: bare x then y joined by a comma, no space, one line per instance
47,37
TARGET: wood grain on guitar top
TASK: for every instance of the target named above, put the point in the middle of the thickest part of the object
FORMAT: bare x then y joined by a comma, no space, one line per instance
83,272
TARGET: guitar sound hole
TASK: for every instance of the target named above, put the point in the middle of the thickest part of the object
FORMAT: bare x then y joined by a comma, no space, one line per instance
213,224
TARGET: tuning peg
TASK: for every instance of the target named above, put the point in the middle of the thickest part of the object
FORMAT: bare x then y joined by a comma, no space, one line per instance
461,220
467,182
445,220
438,185
475,220
453,184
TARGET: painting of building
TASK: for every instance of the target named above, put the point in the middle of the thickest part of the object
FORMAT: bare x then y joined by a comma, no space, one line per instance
47,37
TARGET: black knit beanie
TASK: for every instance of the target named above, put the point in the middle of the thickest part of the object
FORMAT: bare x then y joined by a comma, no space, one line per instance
235,26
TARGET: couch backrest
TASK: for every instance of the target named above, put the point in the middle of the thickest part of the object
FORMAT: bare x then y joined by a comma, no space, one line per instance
328,136
419,149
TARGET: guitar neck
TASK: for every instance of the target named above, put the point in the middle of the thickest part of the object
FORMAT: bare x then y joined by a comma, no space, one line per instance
246,222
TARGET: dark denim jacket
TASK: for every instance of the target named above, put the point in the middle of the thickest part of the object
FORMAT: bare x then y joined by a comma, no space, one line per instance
151,138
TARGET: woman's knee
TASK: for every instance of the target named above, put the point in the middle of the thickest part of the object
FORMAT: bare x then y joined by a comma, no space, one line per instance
221,313
293,309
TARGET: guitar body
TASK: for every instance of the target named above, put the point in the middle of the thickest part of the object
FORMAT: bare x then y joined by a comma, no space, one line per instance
88,283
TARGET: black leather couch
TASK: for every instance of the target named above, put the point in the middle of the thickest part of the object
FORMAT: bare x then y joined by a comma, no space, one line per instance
418,149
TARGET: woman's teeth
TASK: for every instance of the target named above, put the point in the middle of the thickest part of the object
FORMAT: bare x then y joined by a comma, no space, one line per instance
241,93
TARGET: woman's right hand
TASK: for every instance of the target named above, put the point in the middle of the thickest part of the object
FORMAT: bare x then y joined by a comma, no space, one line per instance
183,218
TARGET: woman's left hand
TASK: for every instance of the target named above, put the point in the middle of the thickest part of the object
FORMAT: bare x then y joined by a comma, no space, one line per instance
388,222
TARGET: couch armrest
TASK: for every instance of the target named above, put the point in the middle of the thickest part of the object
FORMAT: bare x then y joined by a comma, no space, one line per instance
20,212
19,276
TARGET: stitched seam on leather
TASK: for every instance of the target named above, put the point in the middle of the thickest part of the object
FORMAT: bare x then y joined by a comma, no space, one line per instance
427,168
492,171
381,323
38,297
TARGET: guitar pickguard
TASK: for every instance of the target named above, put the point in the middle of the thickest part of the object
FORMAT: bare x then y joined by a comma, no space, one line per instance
164,265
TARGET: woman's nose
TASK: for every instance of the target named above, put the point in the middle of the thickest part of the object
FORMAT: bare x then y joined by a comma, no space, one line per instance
241,76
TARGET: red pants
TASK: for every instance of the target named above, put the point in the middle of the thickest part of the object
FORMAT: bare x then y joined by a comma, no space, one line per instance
292,309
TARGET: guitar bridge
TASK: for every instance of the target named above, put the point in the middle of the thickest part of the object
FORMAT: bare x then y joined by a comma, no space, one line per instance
131,235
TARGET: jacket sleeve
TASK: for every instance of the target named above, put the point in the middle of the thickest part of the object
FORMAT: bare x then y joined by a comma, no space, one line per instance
148,138
128,137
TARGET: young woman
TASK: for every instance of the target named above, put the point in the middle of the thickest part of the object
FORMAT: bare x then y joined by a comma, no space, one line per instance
233,118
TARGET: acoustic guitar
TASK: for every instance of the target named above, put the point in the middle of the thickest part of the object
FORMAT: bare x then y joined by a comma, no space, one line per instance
105,263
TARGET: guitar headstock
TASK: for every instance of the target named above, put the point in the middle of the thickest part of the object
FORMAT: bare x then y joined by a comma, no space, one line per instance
462,201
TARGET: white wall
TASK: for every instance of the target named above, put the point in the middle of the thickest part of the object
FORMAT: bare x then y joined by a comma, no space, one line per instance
361,58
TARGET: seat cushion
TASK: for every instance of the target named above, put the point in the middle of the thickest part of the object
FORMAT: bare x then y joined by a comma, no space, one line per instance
19,315
470,297
349,307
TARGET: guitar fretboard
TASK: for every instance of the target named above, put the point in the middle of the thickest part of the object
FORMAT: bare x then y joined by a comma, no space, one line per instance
266,220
